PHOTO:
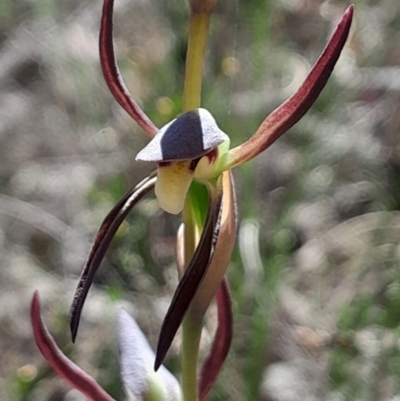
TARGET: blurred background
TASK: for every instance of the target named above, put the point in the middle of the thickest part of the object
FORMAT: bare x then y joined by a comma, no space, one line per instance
315,276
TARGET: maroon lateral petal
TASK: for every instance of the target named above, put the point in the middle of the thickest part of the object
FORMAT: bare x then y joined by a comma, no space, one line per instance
222,341
112,74
192,278
70,372
287,114
223,251
100,245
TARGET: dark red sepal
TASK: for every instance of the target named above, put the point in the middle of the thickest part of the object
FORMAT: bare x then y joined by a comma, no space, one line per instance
192,278
222,341
290,112
64,367
100,245
112,74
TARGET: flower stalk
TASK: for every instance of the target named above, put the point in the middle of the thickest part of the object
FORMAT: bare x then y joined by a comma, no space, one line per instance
191,329
197,41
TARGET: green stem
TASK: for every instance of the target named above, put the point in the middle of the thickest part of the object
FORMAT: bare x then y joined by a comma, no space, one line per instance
198,33
197,41
190,230
190,352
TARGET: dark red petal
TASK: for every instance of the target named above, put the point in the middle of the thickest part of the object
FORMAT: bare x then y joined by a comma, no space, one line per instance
286,115
101,243
222,341
59,362
112,74
191,280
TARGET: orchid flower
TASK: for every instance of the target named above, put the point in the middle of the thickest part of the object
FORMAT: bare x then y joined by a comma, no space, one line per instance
192,153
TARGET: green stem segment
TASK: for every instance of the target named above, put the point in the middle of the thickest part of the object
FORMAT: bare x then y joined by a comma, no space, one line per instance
190,352
198,32
197,41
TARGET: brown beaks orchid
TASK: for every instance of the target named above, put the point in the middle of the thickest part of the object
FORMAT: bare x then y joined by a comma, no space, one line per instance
193,148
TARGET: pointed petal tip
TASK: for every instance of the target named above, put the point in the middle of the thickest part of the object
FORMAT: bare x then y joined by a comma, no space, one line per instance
35,297
36,318
128,326
161,352
35,305
74,332
123,315
347,16
74,318
350,9
158,362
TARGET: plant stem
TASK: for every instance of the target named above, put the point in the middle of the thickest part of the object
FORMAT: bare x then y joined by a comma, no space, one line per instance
190,351
198,32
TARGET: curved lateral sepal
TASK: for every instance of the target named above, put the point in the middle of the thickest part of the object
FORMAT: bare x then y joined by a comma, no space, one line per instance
112,74
222,253
290,112
192,278
64,367
222,341
100,245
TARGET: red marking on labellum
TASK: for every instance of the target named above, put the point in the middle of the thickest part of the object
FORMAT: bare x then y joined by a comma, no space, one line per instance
212,156
163,164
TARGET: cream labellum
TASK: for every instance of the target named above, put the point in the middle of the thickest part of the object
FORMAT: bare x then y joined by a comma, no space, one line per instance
172,185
